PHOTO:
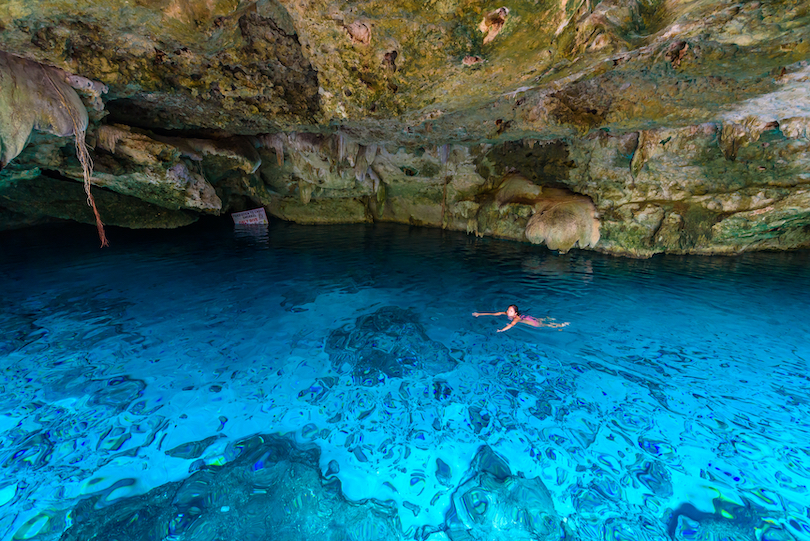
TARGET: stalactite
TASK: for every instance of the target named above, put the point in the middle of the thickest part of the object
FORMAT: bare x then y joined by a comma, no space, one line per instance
276,142
108,137
371,153
340,140
443,152
305,191
444,195
360,164
375,180
381,196
305,142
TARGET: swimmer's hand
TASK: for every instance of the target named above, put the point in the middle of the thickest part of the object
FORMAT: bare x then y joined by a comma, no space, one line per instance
514,322
476,314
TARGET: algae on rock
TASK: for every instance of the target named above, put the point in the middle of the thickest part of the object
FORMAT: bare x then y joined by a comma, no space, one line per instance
684,124
64,199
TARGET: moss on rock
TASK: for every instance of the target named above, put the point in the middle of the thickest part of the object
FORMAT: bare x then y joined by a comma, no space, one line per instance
320,211
684,123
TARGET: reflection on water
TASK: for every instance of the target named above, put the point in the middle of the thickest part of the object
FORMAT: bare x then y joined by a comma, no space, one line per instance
259,233
329,382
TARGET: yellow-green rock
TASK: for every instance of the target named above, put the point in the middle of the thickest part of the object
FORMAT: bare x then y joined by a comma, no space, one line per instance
681,126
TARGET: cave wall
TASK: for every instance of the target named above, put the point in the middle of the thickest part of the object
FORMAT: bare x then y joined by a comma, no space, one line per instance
626,127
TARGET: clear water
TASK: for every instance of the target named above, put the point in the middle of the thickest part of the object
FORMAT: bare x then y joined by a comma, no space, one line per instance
187,384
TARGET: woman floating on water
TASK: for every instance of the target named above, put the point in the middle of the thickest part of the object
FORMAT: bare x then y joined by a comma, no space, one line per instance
516,317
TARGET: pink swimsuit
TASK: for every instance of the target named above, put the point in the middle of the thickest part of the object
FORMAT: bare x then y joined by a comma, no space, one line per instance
530,320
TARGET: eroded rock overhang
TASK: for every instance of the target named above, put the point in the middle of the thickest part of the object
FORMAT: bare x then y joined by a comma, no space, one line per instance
632,128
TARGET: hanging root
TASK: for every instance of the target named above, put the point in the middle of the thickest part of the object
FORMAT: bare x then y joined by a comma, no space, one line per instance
99,223
444,193
84,158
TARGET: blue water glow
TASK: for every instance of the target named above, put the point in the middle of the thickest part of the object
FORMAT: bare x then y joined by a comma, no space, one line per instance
332,379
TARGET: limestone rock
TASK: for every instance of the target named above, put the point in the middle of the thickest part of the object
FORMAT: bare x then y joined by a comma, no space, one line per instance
16,220
492,23
517,188
360,32
34,97
685,124
562,221
669,230
484,506
144,167
235,152
65,199
795,128
320,211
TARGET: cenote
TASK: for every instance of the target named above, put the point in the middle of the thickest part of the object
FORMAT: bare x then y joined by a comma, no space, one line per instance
293,382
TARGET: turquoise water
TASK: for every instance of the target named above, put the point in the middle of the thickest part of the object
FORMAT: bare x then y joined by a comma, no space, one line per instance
330,383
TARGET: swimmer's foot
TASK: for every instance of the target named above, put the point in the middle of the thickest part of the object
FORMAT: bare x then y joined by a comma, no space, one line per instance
557,325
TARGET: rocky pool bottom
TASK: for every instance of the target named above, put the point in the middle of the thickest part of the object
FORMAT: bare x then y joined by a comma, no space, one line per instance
330,382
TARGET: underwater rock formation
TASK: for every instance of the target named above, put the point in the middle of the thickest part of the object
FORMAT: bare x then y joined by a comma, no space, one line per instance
269,489
728,521
267,486
493,504
684,123
388,343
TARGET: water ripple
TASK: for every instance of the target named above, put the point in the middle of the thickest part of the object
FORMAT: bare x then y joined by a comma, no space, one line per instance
674,404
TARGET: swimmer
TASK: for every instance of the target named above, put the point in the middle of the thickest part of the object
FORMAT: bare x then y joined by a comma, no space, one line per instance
514,314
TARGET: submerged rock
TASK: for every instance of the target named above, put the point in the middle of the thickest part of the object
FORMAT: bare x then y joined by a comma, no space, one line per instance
268,489
728,521
388,343
493,504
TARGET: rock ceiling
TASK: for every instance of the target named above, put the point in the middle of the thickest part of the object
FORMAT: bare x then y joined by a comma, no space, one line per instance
624,126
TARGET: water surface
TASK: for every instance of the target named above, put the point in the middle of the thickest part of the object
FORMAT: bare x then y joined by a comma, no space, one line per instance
674,404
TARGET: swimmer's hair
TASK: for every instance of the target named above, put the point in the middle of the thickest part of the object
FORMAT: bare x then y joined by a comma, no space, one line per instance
515,307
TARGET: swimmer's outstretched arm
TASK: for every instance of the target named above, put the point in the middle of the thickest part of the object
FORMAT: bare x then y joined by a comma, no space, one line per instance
476,314
512,324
